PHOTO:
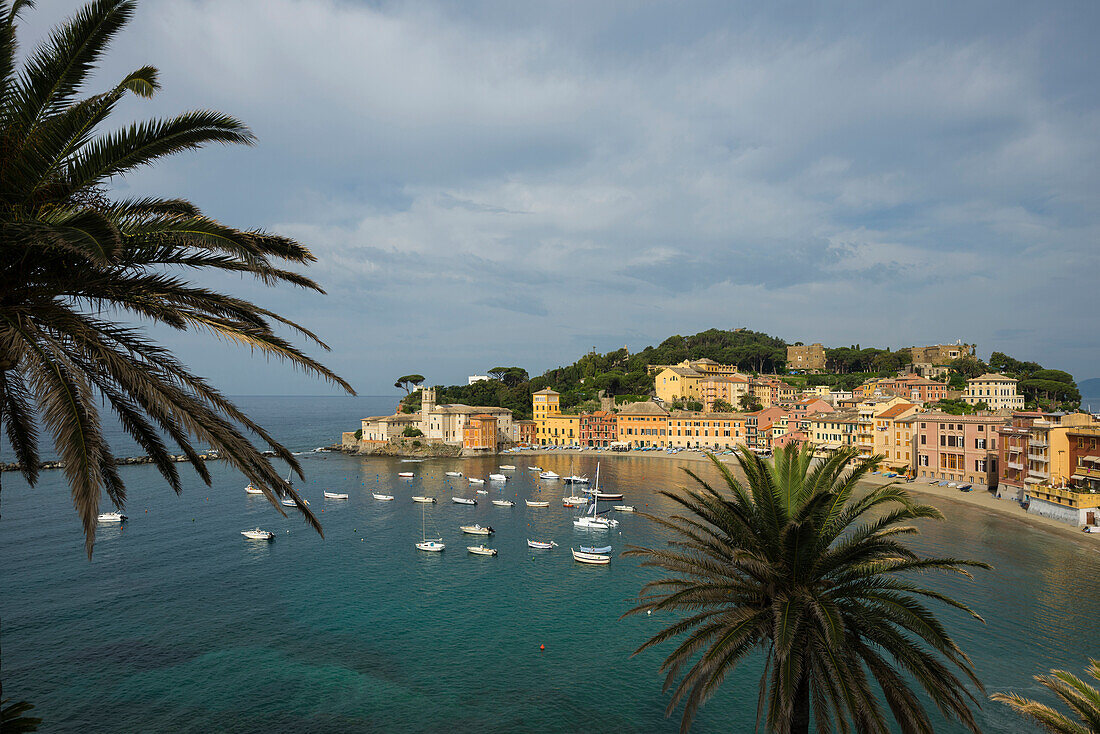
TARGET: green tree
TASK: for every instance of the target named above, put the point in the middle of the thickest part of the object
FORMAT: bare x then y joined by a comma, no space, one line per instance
76,260
796,564
750,403
693,405
1082,698
412,432
408,382
969,367
721,406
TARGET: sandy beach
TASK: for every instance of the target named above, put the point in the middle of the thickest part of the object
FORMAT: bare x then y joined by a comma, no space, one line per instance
943,497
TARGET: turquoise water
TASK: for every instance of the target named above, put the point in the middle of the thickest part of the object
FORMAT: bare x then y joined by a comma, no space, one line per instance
179,624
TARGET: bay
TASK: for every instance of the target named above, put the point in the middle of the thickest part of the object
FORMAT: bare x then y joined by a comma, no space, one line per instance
179,624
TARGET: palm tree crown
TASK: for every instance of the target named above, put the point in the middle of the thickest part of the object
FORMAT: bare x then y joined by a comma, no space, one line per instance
796,564
76,263
1083,700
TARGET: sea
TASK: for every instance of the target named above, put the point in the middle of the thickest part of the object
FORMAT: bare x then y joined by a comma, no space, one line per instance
178,623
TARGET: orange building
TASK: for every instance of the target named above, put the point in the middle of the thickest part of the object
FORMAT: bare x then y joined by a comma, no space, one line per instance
526,431
480,433
643,424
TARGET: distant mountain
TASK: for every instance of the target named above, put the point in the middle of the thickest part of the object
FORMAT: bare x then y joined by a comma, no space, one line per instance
1090,390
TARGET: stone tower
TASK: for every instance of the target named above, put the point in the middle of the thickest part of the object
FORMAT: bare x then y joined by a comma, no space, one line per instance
427,405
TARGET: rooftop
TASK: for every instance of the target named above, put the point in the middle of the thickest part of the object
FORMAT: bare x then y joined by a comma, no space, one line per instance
643,408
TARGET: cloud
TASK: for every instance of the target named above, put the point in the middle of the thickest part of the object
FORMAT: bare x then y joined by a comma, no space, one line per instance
545,173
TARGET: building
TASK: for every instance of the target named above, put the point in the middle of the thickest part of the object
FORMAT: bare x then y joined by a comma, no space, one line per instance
914,387
678,383
480,433
694,430
545,402
958,448
865,422
382,429
447,423
810,358
1013,473
525,432
772,391
559,429
1077,501
834,430
598,429
892,437
476,378
996,391
939,354
727,388
707,367
642,424
806,407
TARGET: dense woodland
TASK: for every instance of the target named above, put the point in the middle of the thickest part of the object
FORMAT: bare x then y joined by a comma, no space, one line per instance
623,375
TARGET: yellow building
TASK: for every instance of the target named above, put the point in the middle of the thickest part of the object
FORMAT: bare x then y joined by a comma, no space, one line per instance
545,404
834,430
690,429
560,430
643,424
678,383
893,435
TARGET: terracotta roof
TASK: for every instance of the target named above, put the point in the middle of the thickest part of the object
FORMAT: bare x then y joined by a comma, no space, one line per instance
459,409
684,371
992,376
546,391
896,410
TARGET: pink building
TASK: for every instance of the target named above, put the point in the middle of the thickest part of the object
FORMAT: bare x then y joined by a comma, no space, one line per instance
958,448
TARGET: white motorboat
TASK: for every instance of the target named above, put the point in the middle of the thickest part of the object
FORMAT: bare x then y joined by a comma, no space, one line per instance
498,478
534,468
596,559
425,500
405,474
111,517
432,545
504,503
475,480
549,475
574,479
252,490
507,467
483,491
335,496
481,550
475,529
382,497
540,545
452,473
574,500
463,501
289,502
258,534
625,508
537,503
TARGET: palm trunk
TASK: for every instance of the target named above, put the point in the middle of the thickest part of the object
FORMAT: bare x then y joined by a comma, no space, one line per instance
800,717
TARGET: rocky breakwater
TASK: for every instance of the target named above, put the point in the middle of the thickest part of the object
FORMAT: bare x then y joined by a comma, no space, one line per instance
124,461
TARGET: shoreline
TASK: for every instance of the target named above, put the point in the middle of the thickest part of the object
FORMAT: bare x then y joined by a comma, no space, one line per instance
982,500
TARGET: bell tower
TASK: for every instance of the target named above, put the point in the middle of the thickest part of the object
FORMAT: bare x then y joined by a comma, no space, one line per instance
427,405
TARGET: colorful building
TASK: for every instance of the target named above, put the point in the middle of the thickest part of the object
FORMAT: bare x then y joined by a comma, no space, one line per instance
598,429
893,436
1077,501
958,448
676,383
691,429
996,391
480,433
729,388
643,424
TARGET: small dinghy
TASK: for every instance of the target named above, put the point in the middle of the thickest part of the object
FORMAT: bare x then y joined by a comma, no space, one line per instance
534,468
536,503
452,473
625,508
335,496
540,545
463,501
507,466
608,495
111,517
483,491
258,534
426,500
504,503
498,478
475,480
481,550
382,497
596,559
252,490
405,474
475,529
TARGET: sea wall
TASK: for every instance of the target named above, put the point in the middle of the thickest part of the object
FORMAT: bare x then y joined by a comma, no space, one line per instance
1054,511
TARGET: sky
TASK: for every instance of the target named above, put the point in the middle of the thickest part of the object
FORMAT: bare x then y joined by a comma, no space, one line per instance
502,183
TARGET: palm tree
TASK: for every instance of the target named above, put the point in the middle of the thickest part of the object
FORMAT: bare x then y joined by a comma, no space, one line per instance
81,271
1082,698
796,565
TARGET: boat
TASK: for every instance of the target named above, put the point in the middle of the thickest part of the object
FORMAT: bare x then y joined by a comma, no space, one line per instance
475,480
463,501
574,478
536,503
595,559
549,475
483,491
289,502
405,474
258,534
111,517
481,550
607,495
965,487
624,508
382,497
425,500
540,545
475,529
433,545
507,466
498,478
593,520
452,473
335,496
534,468
602,549
252,490
504,503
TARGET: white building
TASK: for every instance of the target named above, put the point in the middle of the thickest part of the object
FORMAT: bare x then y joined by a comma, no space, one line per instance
996,391
476,378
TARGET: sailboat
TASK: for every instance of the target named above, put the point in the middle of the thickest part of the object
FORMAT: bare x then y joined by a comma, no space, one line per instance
592,520
432,546
573,478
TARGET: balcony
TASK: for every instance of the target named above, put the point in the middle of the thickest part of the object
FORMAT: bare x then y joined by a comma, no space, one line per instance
1033,443
1067,496
1080,471
1014,465
1037,457
1037,474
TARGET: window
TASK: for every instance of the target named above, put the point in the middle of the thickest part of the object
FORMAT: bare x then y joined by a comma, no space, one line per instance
922,438
979,443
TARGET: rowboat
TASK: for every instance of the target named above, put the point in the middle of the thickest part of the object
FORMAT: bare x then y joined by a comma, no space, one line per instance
452,473
498,478
535,503
426,500
335,496
475,480
602,549
475,529
534,468
507,466
625,508
481,550
607,495
483,491
381,497
463,501
405,474
540,545
258,534
596,559
504,503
